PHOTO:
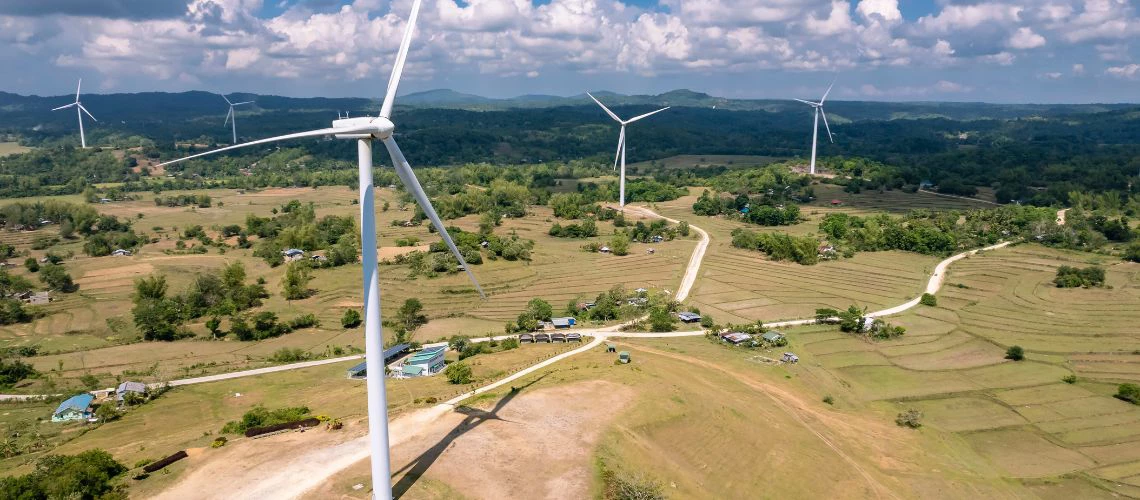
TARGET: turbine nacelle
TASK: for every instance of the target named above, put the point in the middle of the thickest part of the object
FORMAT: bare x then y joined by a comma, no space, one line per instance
382,128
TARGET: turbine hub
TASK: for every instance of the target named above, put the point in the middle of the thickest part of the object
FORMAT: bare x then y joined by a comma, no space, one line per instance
381,128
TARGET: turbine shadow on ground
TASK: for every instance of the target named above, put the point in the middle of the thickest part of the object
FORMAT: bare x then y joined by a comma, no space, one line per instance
420,465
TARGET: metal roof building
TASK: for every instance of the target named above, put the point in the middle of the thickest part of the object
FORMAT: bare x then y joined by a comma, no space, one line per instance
77,407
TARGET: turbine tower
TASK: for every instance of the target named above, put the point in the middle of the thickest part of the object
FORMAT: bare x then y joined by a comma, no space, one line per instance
231,117
366,130
620,157
815,128
79,110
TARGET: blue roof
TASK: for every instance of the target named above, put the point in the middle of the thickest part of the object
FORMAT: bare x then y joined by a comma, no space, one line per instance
359,368
396,350
78,402
293,251
562,321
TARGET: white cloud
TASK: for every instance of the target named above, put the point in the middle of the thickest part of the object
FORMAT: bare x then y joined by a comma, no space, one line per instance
1053,75
1129,71
884,10
1025,38
1078,69
1001,58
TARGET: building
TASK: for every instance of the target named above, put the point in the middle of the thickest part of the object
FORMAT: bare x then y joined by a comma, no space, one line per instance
604,249
119,252
319,259
790,358
412,371
773,337
430,361
125,388
542,337
77,407
390,354
562,323
573,337
558,337
526,337
736,338
293,254
688,317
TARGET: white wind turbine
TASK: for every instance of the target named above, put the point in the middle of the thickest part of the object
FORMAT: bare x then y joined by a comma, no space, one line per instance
365,130
620,158
231,117
79,110
815,128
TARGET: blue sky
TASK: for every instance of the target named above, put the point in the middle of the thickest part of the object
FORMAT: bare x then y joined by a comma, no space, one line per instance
975,50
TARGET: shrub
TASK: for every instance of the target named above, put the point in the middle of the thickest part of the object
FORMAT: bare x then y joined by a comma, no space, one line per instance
287,355
1015,353
219,442
259,416
1128,392
87,475
350,318
13,371
911,418
304,321
458,373
928,300
829,400
1073,277
1069,379
296,424
508,344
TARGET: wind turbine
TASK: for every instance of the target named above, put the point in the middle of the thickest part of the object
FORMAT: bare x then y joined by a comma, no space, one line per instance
79,110
815,128
231,116
365,130
620,157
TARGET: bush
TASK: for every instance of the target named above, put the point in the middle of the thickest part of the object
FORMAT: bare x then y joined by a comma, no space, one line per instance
350,318
1069,379
1015,353
829,400
13,371
1128,392
508,344
928,300
219,442
87,475
458,373
1073,277
259,416
910,418
287,355
296,424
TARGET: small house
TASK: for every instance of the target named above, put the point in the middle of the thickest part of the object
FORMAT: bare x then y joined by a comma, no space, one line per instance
573,337
137,388
604,249
526,337
542,337
77,407
558,337
836,203
119,252
104,200
688,317
657,239
790,358
319,259
623,356
563,323
736,338
773,337
293,254
45,222
38,298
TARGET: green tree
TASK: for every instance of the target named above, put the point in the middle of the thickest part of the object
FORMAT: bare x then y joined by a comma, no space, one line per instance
296,283
214,325
928,300
458,373
107,412
88,475
1015,353
539,309
660,320
56,277
350,318
1129,392
409,315
31,264
619,244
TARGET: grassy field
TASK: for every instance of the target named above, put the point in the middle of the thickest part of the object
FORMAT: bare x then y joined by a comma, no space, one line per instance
11,148
690,162
92,329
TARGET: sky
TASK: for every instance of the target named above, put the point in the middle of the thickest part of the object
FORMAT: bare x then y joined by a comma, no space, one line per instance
1041,51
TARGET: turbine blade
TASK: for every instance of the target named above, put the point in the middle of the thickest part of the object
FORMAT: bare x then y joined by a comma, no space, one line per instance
621,142
85,111
404,170
828,90
398,67
240,103
299,135
809,103
227,99
608,112
65,107
228,115
822,112
77,87
646,115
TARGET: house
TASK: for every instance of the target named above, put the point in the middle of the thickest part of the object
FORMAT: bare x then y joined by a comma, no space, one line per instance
573,337
128,387
542,337
119,252
526,337
558,337
77,407
688,317
586,306
104,200
836,203
562,323
319,259
359,371
430,361
604,249
657,239
736,338
45,222
412,371
790,358
773,337
37,299
638,301
293,254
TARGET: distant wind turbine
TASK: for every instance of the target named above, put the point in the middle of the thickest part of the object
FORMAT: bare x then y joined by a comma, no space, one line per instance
620,158
231,117
79,110
815,128
365,130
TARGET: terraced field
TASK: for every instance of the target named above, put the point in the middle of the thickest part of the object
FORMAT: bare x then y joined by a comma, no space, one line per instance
1018,415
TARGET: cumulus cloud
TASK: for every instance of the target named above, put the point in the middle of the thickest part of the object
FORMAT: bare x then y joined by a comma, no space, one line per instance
1129,71
1025,38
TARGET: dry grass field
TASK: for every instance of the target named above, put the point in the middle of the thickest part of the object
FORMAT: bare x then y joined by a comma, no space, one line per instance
11,148
92,331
